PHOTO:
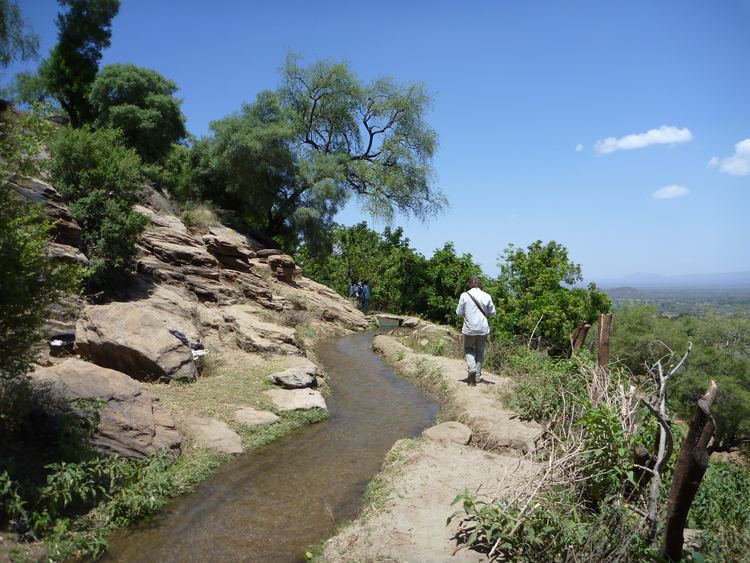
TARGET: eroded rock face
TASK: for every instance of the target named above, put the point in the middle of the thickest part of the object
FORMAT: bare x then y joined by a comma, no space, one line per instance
256,335
131,338
132,423
282,266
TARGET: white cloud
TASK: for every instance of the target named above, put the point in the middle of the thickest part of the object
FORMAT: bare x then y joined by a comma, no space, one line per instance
666,134
738,164
579,147
670,192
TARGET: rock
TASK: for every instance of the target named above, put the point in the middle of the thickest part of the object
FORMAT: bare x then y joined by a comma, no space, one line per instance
299,377
449,432
282,266
67,254
255,335
132,423
296,399
254,417
213,434
223,241
131,338
410,322
65,230
266,252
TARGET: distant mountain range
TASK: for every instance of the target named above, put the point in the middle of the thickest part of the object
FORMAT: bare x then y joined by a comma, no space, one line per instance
727,280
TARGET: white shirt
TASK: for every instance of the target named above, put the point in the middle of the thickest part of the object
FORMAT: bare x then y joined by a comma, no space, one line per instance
475,322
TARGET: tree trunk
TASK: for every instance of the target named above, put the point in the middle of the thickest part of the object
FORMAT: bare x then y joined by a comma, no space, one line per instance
691,465
605,329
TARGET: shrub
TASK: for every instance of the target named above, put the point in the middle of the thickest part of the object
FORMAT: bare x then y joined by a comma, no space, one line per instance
722,510
99,176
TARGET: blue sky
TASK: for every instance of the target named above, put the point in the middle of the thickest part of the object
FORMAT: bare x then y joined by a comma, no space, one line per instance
557,120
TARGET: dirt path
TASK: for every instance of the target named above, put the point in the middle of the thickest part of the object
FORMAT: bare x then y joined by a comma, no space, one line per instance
421,478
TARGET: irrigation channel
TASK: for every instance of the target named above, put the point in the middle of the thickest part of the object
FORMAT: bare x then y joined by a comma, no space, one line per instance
273,503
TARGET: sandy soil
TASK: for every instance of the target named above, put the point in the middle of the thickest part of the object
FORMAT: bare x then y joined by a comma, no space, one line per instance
420,486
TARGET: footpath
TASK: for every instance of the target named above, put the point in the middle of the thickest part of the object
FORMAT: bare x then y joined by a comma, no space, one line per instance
410,500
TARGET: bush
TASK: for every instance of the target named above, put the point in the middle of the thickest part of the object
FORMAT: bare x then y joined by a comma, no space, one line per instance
722,510
99,176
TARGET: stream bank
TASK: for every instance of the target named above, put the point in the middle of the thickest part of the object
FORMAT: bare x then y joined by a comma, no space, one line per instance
273,503
416,489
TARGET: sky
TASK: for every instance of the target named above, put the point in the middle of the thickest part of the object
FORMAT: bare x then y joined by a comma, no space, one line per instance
620,129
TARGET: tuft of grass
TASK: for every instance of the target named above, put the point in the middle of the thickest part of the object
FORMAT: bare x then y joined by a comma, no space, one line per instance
199,216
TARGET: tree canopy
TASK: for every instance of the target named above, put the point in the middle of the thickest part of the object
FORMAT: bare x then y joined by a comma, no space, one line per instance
141,103
17,40
539,283
291,159
84,30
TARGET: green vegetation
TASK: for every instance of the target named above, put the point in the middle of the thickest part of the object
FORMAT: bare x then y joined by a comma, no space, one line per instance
591,500
286,163
98,176
538,286
17,41
721,351
30,282
85,29
139,102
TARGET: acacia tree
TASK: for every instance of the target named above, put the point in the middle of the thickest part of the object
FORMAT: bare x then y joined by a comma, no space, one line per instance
291,159
539,283
85,30
141,103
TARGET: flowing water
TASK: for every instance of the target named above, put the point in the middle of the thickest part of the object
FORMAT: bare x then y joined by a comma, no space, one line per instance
273,503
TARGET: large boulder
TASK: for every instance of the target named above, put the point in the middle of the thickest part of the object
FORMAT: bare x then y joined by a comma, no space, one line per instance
132,423
298,377
131,338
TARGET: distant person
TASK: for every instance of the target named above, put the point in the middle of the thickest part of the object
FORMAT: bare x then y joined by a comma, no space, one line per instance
365,296
352,290
475,306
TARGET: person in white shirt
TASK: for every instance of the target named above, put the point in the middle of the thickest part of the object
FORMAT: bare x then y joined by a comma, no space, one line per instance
475,306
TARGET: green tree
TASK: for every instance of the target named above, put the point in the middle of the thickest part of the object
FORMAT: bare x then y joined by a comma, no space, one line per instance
99,176
85,29
291,159
539,283
444,280
17,40
392,267
141,103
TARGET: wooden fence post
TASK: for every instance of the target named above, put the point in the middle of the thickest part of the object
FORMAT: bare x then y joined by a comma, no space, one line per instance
688,473
605,329
579,337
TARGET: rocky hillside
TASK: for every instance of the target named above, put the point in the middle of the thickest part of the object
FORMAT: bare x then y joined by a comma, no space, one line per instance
197,295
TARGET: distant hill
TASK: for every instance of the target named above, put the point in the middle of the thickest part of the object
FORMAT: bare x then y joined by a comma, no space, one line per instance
631,282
